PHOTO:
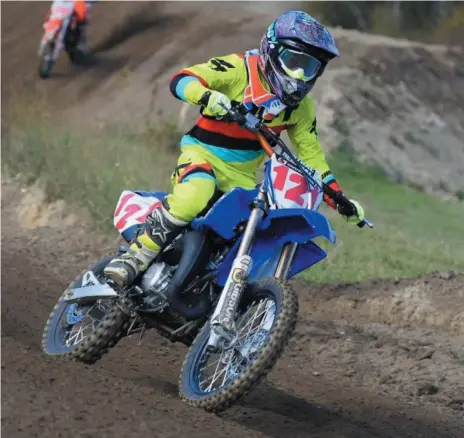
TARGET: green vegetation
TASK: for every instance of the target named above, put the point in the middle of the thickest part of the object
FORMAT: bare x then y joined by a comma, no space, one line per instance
89,169
414,233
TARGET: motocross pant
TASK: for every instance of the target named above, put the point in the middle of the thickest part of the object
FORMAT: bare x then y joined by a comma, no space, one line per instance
81,9
198,180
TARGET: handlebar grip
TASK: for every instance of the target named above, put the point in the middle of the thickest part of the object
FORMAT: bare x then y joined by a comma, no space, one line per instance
337,196
365,222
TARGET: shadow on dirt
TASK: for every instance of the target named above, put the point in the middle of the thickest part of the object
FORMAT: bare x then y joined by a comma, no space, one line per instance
134,25
98,62
291,416
277,413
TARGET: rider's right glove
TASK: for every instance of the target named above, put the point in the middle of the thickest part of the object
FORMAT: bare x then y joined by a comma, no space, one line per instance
212,101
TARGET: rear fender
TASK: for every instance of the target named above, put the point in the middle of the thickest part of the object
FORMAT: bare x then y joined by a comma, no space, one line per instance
132,209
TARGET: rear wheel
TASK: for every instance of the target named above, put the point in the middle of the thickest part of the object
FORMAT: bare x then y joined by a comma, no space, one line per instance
108,332
74,54
264,323
84,331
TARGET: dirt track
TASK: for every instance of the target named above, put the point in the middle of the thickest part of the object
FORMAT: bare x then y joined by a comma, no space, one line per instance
348,378
407,118
377,360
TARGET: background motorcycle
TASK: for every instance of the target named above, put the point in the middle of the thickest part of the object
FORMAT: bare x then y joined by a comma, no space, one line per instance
61,31
221,287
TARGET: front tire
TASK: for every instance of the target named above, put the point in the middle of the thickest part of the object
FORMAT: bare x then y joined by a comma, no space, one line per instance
46,60
270,349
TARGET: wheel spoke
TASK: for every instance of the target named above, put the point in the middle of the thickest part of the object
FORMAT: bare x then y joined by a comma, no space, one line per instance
80,330
229,363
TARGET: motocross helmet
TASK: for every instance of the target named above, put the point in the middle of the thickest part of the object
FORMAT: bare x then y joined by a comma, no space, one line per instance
293,54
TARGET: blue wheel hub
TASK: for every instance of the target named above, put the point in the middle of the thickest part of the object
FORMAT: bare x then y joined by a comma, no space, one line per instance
74,314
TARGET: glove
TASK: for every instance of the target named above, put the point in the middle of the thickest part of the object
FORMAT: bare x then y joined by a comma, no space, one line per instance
212,101
353,214
327,199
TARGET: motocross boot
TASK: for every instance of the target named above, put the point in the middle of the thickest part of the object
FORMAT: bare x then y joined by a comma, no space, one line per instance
160,229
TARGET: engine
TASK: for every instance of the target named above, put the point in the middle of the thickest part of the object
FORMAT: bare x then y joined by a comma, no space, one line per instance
156,278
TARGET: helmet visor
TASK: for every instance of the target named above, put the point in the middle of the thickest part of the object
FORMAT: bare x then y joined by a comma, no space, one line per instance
299,65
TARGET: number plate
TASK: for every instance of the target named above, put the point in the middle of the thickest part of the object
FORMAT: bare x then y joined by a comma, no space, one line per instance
291,188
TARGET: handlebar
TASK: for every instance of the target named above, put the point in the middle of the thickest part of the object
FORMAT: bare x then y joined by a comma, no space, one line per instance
265,135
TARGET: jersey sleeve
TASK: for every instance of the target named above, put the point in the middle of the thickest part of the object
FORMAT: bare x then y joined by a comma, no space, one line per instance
219,73
304,137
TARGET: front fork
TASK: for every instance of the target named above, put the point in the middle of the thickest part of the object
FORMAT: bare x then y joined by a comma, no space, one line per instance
59,40
222,321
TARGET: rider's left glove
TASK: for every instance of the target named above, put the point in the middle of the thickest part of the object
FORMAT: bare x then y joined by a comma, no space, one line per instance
353,214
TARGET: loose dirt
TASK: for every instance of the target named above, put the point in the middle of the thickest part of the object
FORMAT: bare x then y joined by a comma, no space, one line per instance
379,359
351,370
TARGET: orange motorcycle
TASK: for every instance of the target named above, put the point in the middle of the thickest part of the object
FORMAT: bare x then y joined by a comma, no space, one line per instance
63,30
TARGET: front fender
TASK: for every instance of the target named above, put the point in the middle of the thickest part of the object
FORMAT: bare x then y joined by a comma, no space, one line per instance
309,224
277,229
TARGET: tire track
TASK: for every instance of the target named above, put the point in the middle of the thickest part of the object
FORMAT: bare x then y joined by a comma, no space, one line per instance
133,390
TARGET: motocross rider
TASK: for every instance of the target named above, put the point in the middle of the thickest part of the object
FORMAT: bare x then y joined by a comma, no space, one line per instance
216,156
81,10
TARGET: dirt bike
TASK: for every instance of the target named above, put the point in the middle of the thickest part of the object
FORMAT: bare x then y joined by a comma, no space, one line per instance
221,287
61,31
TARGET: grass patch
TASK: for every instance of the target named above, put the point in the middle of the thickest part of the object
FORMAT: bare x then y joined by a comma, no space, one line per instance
89,169
414,233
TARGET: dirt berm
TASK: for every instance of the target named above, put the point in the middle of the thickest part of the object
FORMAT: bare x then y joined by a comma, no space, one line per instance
380,359
395,103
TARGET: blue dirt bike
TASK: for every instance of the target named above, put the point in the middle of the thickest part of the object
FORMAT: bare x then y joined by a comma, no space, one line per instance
221,287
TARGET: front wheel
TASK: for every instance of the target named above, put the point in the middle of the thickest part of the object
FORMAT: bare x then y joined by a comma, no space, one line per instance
46,59
264,323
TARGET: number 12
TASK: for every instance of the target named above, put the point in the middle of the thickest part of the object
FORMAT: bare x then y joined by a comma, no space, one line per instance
293,194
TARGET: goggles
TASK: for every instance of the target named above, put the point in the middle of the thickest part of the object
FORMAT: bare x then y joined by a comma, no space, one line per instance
299,65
